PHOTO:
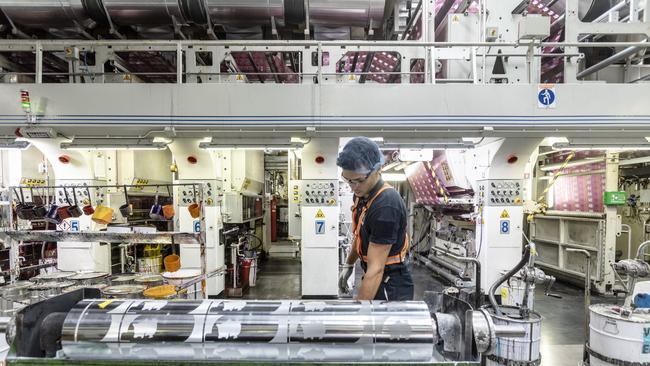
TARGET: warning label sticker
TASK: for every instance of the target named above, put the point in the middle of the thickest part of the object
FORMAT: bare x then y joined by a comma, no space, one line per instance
505,214
320,214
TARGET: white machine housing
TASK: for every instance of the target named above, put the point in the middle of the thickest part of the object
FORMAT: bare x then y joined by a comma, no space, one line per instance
320,218
499,227
190,253
240,208
320,233
82,256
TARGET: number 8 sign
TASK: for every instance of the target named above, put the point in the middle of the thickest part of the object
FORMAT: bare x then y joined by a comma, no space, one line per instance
504,226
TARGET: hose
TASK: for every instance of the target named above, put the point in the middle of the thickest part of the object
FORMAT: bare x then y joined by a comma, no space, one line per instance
50,335
522,263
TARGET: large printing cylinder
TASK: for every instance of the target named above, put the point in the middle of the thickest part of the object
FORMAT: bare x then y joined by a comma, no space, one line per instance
144,12
231,330
361,13
43,14
245,12
53,13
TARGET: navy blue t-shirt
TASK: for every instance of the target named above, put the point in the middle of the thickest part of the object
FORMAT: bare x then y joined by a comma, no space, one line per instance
385,222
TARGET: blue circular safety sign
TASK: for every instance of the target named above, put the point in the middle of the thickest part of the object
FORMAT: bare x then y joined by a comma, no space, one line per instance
546,97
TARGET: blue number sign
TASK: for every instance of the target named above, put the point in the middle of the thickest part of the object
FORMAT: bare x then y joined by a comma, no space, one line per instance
320,227
504,226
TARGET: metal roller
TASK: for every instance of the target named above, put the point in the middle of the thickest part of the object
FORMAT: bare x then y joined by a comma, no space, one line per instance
64,13
144,12
588,10
216,330
360,13
44,13
245,12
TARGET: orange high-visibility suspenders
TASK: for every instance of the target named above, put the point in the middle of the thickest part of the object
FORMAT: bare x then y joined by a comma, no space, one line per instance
356,229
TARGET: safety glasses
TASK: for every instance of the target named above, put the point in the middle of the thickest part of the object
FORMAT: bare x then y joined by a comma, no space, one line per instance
356,181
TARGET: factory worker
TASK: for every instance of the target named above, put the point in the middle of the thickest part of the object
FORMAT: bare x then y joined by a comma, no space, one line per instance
379,225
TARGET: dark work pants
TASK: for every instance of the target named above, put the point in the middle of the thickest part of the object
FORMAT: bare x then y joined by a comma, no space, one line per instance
396,285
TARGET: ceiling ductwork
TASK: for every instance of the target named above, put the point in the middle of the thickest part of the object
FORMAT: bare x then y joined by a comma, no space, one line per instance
246,12
359,13
142,12
46,14
42,14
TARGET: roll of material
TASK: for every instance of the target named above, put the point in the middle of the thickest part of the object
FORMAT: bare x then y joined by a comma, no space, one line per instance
35,14
361,13
225,330
144,12
245,12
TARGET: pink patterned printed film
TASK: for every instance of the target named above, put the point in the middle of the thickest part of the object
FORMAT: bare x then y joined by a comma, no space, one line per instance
422,184
385,62
440,165
252,64
582,193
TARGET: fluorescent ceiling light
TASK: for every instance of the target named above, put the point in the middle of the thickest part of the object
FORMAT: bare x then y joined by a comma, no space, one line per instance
34,132
415,154
393,177
614,144
252,144
14,145
112,144
162,140
84,147
428,146
611,147
238,147
435,144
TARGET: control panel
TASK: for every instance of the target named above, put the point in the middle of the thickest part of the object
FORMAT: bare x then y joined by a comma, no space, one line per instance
319,192
500,192
189,194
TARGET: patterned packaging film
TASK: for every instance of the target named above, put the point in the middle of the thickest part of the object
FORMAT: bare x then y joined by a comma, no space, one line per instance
422,183
581,192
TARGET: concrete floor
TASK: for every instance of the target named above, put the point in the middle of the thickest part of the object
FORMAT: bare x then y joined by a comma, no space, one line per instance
562,324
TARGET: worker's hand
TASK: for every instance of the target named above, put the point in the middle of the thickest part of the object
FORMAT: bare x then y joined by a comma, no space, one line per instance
345,274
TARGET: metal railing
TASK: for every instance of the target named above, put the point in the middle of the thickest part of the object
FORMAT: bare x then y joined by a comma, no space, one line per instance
473,56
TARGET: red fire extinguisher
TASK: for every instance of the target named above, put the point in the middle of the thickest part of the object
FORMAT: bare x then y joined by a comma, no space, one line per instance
274,219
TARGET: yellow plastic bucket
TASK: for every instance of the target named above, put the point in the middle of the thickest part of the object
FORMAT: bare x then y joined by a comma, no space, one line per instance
103,215
161,292
172,263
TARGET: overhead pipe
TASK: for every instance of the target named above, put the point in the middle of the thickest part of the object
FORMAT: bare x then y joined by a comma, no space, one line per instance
46,14
477,271
448,266
455,280
411,22
639,252
442,13
628,231
572,164
522,263
610,60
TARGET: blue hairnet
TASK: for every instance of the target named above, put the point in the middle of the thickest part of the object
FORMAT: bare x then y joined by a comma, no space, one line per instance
361,155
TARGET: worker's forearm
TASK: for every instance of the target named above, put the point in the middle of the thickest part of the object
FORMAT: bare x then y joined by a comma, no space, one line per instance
370,284
352,257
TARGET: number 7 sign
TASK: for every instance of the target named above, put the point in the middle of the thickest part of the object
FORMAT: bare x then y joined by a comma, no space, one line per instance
320,227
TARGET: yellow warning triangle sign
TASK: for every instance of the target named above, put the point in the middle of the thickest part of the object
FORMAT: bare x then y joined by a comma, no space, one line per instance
320,214
505,215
